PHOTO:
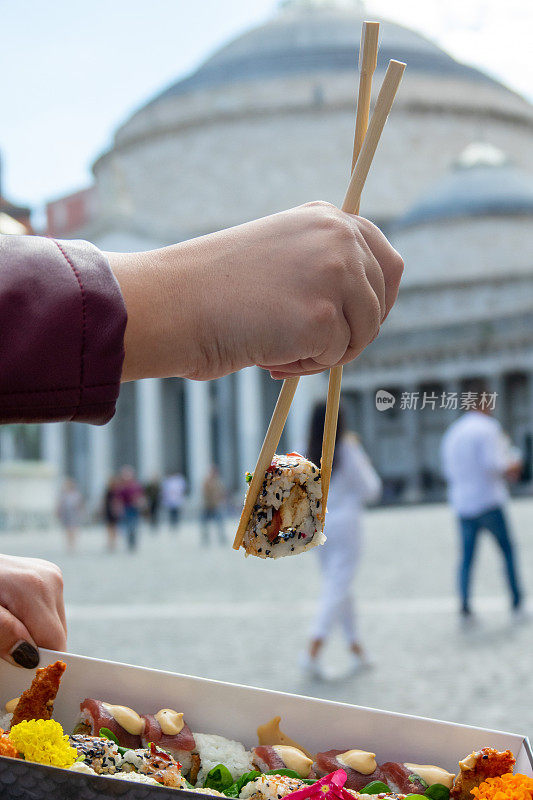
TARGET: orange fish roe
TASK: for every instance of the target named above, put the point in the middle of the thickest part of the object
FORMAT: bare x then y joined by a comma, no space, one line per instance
6,747
506,787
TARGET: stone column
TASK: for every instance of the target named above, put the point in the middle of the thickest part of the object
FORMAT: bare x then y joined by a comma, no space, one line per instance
149,417
369,421
227,446
53,445
411,418
251,427
100,462
198,424
496,383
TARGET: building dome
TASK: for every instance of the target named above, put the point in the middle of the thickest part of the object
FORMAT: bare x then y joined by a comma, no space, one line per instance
312,36
266,122
483,182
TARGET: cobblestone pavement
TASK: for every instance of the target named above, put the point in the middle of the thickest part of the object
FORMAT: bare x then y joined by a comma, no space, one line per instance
208,611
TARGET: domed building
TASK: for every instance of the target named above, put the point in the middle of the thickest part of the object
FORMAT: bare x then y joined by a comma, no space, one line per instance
266,123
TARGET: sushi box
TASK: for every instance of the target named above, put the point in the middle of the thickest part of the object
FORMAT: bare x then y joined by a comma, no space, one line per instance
235,712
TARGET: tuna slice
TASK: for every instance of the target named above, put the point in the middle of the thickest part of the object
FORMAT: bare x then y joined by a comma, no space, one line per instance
327,762
400,779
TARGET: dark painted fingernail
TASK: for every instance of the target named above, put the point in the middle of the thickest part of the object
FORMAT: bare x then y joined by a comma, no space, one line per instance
25,655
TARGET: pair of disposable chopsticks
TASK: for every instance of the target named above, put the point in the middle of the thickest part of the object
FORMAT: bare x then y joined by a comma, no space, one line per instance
362,158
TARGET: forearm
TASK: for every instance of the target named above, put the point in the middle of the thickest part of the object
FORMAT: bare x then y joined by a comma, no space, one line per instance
162,291
62,320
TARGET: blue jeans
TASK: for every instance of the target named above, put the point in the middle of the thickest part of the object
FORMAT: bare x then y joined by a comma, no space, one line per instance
493,521
130,522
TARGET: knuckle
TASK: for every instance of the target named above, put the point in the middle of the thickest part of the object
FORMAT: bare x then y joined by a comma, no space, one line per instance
397,265
324,316
319,205
36,582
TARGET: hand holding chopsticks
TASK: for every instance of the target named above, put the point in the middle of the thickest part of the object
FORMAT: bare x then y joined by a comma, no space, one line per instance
351,204
382,109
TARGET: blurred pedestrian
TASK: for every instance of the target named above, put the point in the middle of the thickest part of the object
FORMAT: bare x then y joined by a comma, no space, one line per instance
214,495
152,492
69,510
113,511
173,497
354,482
477,462
131,494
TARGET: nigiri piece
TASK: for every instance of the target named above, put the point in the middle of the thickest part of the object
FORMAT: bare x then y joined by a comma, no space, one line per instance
280,756
123,722
168,730
360,766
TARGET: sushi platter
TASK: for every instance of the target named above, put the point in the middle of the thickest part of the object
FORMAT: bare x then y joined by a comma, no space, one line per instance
235,712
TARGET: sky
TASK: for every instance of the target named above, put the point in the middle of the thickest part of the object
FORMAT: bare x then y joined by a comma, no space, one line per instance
73,70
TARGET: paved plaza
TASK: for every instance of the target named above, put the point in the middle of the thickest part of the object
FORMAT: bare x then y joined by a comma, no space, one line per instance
211,612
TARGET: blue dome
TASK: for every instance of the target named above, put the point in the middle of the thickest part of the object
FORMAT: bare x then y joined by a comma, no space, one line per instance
483,187
302,40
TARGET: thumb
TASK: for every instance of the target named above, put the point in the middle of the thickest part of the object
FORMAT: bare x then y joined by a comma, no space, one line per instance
16,644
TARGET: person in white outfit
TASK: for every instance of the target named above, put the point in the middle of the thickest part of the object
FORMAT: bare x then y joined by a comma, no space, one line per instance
478,460
354,482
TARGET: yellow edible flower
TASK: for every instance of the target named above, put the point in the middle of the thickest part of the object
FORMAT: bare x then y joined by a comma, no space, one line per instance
43,741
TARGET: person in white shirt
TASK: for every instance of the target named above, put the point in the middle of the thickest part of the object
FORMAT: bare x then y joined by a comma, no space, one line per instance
477,462
173,496
354,482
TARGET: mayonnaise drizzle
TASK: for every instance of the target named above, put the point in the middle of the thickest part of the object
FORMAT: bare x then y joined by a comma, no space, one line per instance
11,705
171,721
293,758
431,774
359,760
127,718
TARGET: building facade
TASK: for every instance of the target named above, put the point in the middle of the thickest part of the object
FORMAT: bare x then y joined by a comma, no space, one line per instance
266,123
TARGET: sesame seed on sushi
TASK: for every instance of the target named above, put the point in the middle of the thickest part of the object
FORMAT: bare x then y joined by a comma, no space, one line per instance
287,517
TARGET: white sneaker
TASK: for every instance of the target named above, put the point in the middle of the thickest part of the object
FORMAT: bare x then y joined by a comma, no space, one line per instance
358,663
311,667
520,615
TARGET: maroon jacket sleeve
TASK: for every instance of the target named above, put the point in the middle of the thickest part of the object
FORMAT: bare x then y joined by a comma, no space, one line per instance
62,322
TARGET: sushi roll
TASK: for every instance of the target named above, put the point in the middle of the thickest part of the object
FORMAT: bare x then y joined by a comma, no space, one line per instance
279,756
287,517
168,730
122,721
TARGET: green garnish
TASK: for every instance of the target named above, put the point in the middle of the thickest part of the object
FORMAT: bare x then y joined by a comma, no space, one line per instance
414,778
376,787
105,733
219,778
437,792
248,477
235,789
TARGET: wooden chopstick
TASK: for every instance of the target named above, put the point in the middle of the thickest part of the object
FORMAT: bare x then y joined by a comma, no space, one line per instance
368,57
273,435
351,204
